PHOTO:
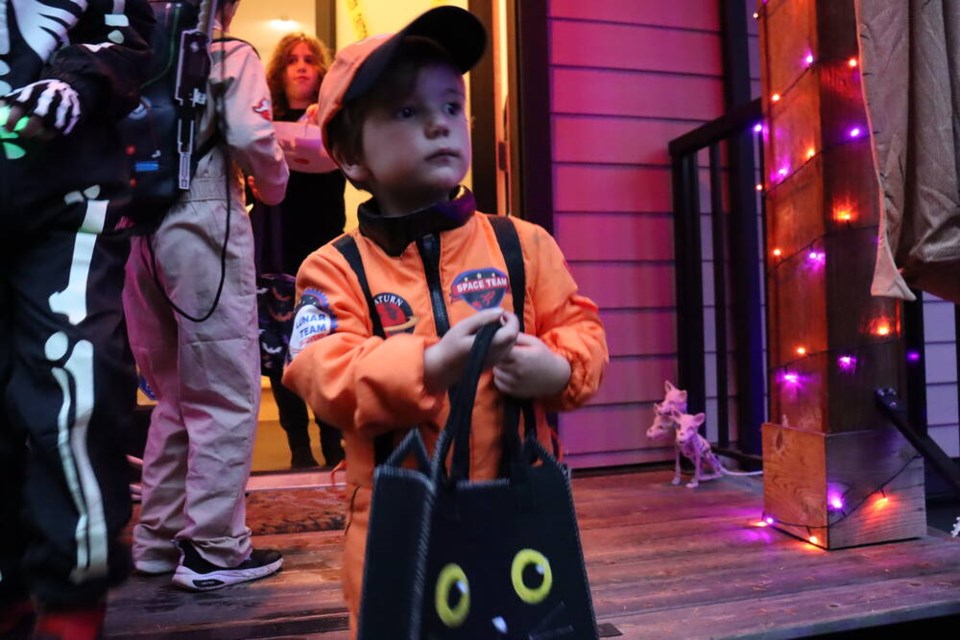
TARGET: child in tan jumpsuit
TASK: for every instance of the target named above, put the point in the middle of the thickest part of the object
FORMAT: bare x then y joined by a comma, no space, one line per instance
205,372
391,110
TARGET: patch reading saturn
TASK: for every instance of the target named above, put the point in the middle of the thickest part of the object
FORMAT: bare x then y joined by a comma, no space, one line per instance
395,313
481,289
313,320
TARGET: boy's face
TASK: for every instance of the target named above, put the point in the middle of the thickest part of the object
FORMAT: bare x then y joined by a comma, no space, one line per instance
416,148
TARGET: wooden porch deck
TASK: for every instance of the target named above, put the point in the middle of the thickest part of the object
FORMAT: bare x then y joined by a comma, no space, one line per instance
664,562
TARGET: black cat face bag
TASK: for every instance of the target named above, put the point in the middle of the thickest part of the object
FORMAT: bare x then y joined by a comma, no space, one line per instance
450,558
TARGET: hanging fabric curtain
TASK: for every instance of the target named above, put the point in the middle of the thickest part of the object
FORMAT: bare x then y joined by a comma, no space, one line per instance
910,63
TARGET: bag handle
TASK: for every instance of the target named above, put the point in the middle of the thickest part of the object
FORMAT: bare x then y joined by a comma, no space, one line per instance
461,410
412,443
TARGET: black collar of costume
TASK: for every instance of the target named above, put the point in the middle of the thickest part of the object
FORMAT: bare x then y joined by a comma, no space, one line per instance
395,234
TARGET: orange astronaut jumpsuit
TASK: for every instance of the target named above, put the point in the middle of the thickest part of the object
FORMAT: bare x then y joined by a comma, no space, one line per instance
427,271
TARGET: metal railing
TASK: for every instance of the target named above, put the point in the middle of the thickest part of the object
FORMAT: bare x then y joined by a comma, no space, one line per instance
735,213
735,242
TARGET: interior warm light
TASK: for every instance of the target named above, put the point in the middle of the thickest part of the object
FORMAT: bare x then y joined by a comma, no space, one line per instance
756,15
855,132
808,59
881,502
811,152
758,128
759,187
844,215
768,520
882,329
814,540
775,97
777,253
283,23
836,502
852,62
801,351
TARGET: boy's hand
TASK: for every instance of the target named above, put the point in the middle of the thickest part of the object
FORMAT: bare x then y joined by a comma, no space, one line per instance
531,370
443,362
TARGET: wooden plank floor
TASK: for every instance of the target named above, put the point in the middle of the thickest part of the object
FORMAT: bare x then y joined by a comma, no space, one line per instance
664,562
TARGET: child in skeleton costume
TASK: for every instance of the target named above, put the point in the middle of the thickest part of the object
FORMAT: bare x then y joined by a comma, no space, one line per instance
205,372
391,112
69,72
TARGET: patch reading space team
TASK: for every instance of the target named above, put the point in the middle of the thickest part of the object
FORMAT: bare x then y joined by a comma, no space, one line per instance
312,320
395,313
481,289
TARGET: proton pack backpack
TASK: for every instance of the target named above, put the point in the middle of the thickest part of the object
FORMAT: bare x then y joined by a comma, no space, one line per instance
160,134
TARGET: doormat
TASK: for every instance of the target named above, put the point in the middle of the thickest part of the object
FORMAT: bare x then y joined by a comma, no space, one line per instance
298,510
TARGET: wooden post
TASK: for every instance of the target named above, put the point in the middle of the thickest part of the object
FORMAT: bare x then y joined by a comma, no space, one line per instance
831,343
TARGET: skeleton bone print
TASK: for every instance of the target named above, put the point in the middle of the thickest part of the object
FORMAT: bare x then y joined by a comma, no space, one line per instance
43,25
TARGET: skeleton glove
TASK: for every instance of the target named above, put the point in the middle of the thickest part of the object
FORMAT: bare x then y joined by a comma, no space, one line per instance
53,101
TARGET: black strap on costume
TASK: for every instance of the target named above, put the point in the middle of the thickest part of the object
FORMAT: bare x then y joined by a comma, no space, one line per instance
509,242
347,246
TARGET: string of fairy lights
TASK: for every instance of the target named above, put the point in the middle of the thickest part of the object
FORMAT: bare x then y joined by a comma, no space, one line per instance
837,507
812,256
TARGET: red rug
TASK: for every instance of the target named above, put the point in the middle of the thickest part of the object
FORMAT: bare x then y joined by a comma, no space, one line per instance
296,510
290,510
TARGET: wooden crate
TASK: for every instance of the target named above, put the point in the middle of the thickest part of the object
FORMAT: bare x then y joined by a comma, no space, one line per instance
876,472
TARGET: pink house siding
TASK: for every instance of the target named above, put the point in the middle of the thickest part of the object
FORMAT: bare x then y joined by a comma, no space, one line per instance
940,362
627,76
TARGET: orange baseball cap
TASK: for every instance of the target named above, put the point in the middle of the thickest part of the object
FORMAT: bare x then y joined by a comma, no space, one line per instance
358,66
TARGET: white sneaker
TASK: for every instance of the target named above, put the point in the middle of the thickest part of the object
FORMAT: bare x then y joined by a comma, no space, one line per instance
196,574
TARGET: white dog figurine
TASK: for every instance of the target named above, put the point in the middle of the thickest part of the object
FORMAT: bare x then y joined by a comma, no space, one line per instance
695,448
663,423
674,396
670,417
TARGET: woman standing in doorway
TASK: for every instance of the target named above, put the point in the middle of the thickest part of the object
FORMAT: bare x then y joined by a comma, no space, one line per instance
311,214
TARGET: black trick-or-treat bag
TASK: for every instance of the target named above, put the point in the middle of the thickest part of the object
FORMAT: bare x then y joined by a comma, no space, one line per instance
276,296
451,558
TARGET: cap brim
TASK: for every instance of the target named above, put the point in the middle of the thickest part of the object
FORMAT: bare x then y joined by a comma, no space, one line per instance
456,30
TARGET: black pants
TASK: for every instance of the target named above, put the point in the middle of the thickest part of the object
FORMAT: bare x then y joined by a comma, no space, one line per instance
295,421
68,389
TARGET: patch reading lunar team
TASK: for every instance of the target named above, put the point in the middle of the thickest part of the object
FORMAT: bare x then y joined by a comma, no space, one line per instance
313,320
396,314
481,289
